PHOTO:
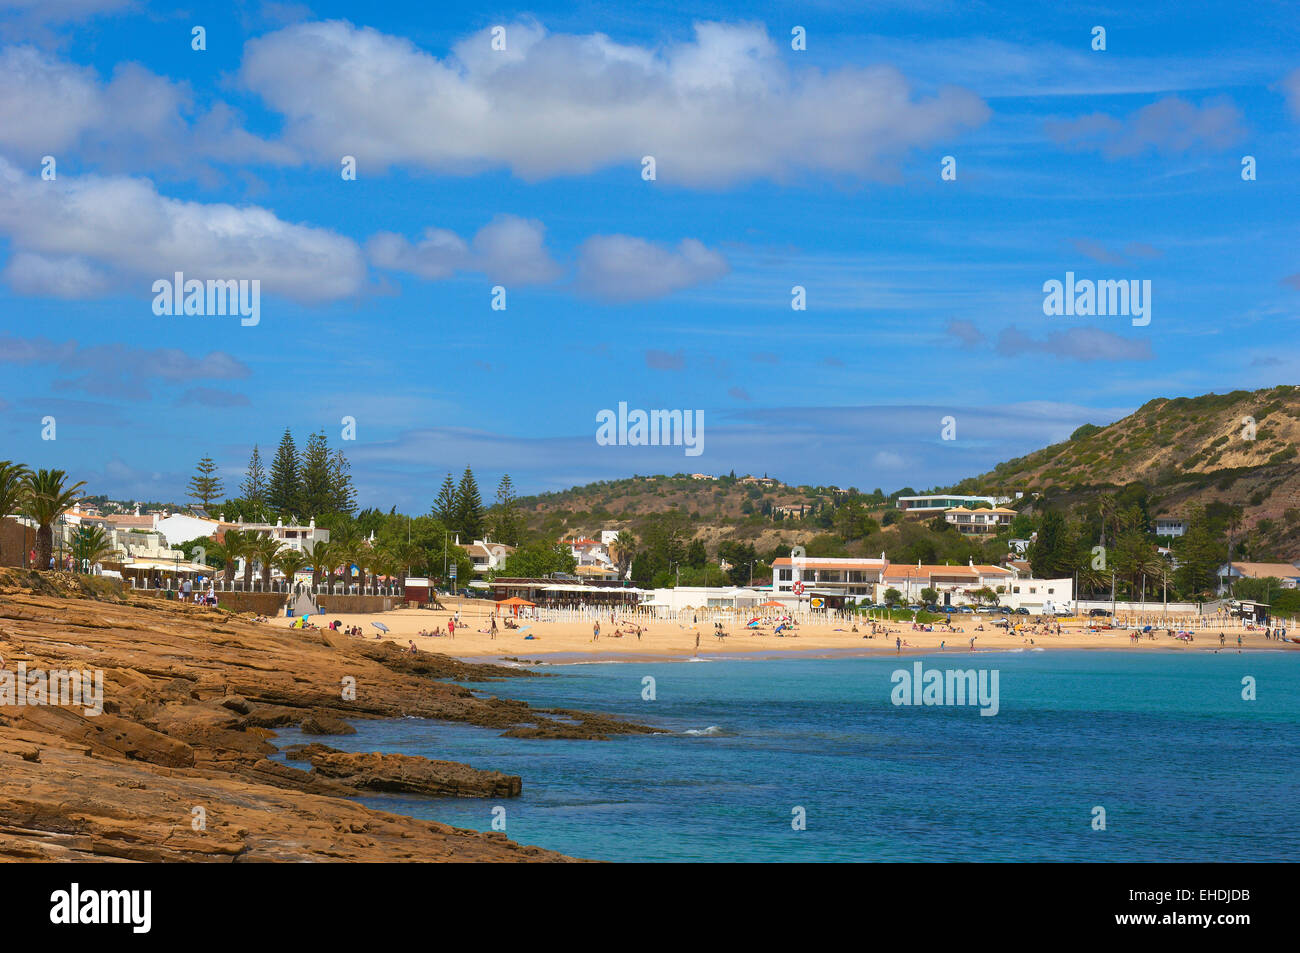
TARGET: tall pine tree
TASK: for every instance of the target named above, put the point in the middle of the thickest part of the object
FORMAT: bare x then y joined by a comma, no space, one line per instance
316,478
345,495
506,522
444,507
253,489
282,489
469,508
204,486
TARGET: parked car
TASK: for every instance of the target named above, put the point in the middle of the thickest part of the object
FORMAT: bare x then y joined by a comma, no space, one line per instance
965,609
895,607
1022,611
1099,612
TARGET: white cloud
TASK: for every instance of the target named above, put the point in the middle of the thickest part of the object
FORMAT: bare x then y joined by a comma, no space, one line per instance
720,108
75,236
49,106
1291,89
623,268
1079,344
1170,125
508,249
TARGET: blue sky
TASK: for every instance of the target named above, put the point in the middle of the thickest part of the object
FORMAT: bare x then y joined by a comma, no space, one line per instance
522,168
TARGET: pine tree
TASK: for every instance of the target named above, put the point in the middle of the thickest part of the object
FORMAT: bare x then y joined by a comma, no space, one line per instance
204,487
469,507
316,478
282,490
507,526
344,493
253,489
444,507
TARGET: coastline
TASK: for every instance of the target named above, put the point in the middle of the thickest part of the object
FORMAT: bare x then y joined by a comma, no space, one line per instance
571,642
177,763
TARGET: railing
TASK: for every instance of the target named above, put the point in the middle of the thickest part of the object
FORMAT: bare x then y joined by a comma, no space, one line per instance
169,584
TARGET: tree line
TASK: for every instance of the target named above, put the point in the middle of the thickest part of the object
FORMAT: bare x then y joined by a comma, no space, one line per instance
314,483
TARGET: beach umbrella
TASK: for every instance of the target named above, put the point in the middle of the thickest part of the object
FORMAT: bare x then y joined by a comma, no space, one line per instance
380,626
772,604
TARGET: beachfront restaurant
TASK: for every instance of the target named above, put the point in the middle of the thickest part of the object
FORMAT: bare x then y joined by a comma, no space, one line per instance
163,574
561,593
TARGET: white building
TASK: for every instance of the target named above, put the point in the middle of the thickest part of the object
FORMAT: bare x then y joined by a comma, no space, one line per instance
1040,596
934,504
291,536
1288,573
954,585
705,597
1170,526
487,555
825,576
980,521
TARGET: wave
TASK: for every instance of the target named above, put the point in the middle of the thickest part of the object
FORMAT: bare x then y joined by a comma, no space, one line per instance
713,730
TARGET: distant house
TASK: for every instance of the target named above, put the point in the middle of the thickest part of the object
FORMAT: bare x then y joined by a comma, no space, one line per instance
1170,525
1288,573
934,504
593,556
826,576
487,556
979,522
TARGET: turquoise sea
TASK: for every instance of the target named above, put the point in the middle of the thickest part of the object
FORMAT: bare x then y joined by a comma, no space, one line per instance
1185,769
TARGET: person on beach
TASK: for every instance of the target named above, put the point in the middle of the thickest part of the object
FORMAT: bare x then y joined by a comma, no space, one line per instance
451,627
595,633
494,627
898,644
972,643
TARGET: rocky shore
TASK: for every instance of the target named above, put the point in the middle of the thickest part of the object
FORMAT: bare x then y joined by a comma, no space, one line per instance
177,766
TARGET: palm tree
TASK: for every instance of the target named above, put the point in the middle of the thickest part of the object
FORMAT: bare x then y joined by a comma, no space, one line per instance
323,562
250,549
289,561
404,555
92,544
348,545
45,500
11,487
381,564
1107,508
229,550
265,550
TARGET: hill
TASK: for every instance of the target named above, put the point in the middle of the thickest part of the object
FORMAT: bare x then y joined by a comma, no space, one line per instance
1235,450
1235,453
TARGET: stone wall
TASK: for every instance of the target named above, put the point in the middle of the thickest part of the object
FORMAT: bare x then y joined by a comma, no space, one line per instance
15,540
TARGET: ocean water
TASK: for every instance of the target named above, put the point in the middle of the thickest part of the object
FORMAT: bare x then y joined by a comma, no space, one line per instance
1185,769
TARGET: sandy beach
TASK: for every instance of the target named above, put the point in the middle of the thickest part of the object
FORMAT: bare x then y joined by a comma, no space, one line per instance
667,640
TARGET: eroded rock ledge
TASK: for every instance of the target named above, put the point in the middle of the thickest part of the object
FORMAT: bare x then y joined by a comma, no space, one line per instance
178,766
